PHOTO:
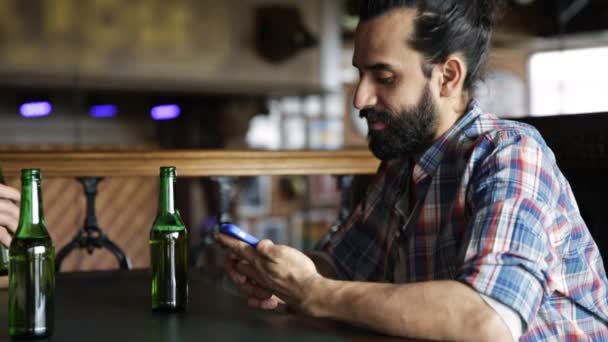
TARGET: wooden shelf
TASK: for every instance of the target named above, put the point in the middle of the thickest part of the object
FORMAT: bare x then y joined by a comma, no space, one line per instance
191,163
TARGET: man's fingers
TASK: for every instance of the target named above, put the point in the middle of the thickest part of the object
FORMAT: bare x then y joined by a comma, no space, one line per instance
8,222
9,213
248,286
270,303
246,266
248,270
9,208
5,237
267,304
267,249
9,193
237,277
237,247
233,274
279,300
252,290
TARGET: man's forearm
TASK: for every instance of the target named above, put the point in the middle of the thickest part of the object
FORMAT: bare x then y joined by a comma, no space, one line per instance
441,310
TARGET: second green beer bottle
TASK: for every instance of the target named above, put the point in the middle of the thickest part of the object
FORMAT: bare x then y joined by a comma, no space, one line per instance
168,250
31,289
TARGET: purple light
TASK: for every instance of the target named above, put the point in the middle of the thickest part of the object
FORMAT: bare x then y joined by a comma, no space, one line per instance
103,111
165,112
35,109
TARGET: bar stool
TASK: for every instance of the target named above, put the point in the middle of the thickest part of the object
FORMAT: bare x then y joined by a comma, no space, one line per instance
226,188
91,236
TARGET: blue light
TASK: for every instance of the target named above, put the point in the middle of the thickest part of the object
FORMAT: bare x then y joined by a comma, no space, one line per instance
103,111
165,112
35,109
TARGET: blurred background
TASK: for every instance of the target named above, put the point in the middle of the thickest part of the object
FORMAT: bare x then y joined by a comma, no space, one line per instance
259,74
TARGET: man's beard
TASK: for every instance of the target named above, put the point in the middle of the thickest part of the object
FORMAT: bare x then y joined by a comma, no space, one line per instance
411,132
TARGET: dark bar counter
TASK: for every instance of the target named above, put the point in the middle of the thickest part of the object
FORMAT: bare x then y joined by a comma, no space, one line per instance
115,306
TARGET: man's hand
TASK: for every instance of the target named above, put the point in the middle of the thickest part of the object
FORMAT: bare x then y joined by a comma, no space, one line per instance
9,213
256,296
271,273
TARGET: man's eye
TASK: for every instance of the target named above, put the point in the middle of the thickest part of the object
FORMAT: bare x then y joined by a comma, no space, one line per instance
386,80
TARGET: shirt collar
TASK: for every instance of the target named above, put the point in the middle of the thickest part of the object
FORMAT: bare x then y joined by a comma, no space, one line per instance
428,161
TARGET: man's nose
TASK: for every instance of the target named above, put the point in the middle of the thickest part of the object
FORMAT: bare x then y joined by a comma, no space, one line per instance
365,95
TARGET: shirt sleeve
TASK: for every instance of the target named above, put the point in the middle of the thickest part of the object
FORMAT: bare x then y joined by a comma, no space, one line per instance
513,197
508,316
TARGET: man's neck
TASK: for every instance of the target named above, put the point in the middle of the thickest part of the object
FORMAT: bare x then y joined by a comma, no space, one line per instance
451,112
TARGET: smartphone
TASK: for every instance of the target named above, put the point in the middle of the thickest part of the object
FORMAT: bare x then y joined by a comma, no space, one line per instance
237,233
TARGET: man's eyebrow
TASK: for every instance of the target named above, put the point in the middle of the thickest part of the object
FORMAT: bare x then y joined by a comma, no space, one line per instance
376,66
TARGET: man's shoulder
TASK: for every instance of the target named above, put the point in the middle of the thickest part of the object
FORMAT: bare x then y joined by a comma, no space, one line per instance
507,141
498,132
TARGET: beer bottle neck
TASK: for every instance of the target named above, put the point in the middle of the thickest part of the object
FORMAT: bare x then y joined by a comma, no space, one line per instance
166,200
31,217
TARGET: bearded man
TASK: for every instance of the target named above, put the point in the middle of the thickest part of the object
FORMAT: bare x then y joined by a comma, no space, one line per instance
469,230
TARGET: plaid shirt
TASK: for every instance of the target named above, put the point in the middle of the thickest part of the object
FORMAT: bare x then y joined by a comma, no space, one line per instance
496,213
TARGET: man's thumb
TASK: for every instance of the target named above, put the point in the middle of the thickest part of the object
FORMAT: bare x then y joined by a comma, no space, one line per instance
266,248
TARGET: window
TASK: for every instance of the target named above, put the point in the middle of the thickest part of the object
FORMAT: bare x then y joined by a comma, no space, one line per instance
568,82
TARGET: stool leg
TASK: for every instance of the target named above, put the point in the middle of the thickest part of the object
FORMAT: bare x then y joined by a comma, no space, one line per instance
90,236
226,188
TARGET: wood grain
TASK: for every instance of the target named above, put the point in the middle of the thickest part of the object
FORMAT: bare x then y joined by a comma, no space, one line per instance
125,207
191,163
126,203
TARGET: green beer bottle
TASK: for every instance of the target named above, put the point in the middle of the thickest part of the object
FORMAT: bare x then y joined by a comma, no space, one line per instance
168,250
3,250
32,266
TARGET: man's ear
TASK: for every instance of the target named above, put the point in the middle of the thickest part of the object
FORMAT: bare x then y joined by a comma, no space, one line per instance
453,72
